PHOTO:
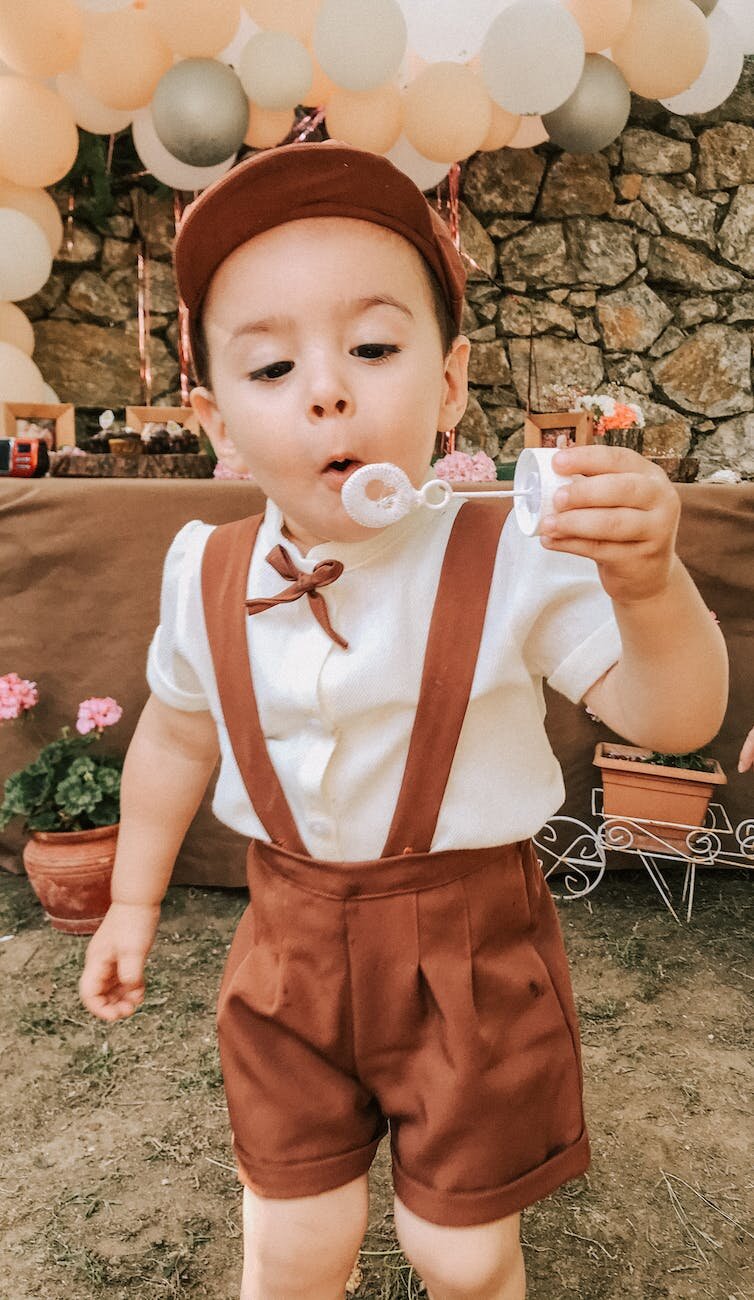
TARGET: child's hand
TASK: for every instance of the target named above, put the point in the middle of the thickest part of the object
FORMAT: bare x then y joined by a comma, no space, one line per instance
746,757
112,982
622,512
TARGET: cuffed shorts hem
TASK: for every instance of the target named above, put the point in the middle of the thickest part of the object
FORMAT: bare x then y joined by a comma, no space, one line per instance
308,1178
452,1209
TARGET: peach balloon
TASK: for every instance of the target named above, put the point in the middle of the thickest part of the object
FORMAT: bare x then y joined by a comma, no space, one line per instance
194,28
123,55
323,87
447,112
531,131
16,328
38,136
297,17
601,21
20,378
503,127
367,119
37,204
268,126
40,37
664,48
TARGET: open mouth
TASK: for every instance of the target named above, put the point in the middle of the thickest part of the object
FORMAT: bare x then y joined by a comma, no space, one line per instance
339,470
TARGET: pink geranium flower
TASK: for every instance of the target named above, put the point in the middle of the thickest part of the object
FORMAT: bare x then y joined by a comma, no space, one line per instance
97,712
460,467
16,696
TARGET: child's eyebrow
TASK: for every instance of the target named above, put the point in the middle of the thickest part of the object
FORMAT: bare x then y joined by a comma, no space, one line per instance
277,324
381,300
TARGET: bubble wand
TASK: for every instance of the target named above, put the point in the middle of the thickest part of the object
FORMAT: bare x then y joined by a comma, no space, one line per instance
535,483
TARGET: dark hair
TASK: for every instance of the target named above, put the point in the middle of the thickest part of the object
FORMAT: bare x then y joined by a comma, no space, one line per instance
443,316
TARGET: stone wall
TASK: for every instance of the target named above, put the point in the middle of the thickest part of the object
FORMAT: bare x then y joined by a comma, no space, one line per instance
633,267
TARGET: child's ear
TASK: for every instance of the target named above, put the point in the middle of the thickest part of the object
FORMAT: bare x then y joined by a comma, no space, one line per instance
455,384
203,402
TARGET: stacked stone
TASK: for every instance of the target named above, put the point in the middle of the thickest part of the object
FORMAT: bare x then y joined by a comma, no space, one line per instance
86,316
633,267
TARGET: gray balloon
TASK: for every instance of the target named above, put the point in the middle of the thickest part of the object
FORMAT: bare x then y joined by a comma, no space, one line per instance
597,111
200,112
706,6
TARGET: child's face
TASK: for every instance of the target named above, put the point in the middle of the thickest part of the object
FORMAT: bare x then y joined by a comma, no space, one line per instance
324,347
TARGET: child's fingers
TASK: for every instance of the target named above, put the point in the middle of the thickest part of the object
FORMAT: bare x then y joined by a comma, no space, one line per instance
594,458
617,525
105,992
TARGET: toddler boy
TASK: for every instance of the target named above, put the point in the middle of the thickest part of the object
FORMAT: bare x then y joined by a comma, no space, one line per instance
376,698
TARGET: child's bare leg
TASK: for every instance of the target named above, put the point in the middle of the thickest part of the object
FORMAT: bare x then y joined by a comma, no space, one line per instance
304,1248
479,1263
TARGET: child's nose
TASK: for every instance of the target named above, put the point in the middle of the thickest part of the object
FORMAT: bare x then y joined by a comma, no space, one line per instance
331,406
328,393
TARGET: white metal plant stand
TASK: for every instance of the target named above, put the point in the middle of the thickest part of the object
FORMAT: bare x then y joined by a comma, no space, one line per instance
582,849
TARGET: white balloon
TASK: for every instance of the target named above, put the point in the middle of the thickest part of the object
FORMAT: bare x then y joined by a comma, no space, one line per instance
51,396
531,131
163,166
420,170
276,70
360,43
25,256
89,112
742,13
233,50
720,74
20,377
442,30
533,57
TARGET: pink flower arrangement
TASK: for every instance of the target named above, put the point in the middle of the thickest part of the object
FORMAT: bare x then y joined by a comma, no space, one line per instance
609,413
16,696
97,712
460,467
223,470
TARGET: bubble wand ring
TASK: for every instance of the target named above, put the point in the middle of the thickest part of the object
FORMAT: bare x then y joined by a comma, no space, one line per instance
534,486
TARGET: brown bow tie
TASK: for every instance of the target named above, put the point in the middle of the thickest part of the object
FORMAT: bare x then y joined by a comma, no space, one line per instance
304,584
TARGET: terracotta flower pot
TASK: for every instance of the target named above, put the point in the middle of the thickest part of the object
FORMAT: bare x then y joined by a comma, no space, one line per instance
70,872
653,792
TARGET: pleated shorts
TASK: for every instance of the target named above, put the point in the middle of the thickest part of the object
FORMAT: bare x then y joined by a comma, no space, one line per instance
427,996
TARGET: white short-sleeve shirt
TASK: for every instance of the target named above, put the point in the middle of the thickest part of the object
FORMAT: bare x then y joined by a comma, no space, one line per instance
337,722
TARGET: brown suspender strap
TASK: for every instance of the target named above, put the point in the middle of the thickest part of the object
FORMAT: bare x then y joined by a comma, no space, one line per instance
450,659
225,569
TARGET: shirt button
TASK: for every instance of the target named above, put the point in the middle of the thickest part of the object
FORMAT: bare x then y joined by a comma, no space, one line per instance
318,826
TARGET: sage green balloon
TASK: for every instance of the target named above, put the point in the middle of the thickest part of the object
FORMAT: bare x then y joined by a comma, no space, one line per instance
706,6
597,111
200,112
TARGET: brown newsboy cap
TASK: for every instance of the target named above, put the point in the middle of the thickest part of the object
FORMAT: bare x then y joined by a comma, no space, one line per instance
323,179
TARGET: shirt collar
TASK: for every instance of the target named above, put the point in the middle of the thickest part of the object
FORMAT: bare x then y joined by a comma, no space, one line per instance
352,554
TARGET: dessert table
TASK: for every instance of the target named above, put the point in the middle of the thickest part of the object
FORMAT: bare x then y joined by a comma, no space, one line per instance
80,569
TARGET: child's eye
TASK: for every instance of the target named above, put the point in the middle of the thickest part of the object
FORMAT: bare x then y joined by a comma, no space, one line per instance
275,371
375,351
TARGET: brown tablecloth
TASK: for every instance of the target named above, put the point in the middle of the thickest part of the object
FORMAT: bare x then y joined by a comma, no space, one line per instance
81,562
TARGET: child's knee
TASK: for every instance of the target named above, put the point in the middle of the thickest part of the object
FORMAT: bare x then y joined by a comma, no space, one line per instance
303,1247
485,1260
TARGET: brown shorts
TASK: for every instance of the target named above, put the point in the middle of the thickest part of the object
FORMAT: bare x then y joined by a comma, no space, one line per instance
430,992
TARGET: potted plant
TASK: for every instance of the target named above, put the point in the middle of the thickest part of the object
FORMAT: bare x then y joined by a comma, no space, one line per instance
671,790
617,424
69,798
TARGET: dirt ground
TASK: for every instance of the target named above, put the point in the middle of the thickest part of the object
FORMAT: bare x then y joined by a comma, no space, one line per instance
116,1175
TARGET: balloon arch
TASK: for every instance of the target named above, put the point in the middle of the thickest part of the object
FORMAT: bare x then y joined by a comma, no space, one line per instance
425,82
